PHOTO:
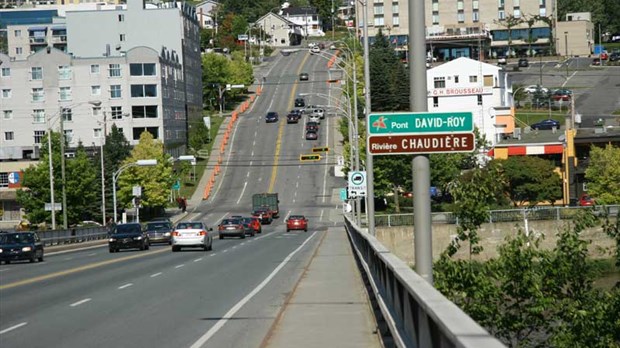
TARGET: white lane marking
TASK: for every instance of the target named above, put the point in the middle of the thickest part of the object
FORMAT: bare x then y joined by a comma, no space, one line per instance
321,216
74,250
215,328
155,274
125,286
288,213
92,254
213,254
244,243
225,250
198,259
248,174
75,304
12,328
326,167
245,184
297,184
4,269
234,247
68,258
178,266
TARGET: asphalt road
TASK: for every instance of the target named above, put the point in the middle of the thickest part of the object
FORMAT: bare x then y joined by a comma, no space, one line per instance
596,89
228,297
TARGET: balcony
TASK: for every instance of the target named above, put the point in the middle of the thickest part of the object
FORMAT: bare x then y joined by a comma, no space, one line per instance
59,38
38,40
452,32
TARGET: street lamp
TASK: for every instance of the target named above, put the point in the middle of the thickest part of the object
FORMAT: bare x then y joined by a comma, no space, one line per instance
62,161
117,174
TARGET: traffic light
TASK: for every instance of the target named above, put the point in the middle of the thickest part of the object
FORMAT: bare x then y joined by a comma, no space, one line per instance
320,149
310,157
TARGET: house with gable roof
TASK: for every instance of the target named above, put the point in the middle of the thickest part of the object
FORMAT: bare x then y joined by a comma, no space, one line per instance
281,32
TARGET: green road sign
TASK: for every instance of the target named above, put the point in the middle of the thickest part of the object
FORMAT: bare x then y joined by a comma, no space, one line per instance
420,122
343,194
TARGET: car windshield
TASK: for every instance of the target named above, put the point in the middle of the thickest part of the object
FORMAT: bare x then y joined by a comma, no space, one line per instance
132,228
158,226
16,238
296,217
231,222
189,226
247,220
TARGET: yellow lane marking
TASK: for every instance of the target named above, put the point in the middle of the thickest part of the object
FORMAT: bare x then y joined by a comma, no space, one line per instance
276,158
78,269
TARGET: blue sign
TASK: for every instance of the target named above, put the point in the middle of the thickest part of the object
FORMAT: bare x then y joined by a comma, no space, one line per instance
14,178
176,185
343,194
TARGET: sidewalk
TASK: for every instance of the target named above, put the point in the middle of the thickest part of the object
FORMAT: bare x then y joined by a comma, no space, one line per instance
329,307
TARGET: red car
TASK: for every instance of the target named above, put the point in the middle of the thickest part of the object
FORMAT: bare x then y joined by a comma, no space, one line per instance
586,201
263,215
297,222
256,225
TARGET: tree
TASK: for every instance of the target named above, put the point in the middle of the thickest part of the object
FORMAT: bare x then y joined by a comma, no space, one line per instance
115,151
82,176
509,22
154,180
603,174
214,75
531,180
389,82
198,136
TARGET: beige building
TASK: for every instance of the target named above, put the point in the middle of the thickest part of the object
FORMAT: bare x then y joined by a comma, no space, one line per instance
575,35
468,28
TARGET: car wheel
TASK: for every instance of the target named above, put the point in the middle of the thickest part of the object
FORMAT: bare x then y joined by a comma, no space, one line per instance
243,235
111,250
32,259
148,246
287,230
175,248
221,236
7,262
210,246
305,230
41,257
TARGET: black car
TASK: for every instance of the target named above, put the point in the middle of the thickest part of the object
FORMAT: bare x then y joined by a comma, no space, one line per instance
128,236
271,117
300,102
524,63
159,231
312,126
304,77
293,118
312,135
614,57
546,124
16,246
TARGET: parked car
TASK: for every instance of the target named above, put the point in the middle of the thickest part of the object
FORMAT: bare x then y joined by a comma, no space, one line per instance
523,63
596,61
303,76
586,201
248,224
533,88
159,231
271,117
192,234
604,55
297,222
315,49
128,236
15,246
231,227
300,102
263,215
614,57
501,60
312,135
562,94
546,124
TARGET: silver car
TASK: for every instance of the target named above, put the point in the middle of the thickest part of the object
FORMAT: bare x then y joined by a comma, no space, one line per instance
192,234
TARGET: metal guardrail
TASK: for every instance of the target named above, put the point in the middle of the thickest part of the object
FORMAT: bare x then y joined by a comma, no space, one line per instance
506,215
416,314
72,235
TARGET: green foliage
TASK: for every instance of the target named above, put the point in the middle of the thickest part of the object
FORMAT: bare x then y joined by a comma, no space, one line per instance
389,81
82,176
218,71
198,136
115,151
603,174
531,180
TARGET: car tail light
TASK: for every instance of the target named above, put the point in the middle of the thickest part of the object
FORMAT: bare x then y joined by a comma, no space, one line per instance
203,233
176,233
220,227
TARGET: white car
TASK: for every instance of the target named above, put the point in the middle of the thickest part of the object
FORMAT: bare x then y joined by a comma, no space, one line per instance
192,234
314,118
320,112
533,88
315,49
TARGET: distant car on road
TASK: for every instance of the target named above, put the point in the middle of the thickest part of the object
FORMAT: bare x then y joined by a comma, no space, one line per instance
312,135
312,126
501,60
300,102
248,224
159,231
192,234
315,49
304,77
128,236
231,227
297,222
263,215
523,63
533,88
16,246
271,117
293,117
546,124
586,201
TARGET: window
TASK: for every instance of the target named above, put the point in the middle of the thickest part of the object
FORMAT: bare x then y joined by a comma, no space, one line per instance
36,73
18,33
541,3
146,69
456,78
7,114
435,7
38,116
137,131
460,16
379,22
435,102
395,20
435,18
6,72
475,16
67,114
440,82
473,79
516,13
122,37
516,3
114,70
378,9
68,135
460,6
121,17
479,99
8,136
97,133
501,15
488,80
543,12
18,50
394,8
65,93
6,93
94,69
38,136
4,180
141,91
64,72
38,95
95,90
144,111
500,3
475,4
117,112
96,110
115,91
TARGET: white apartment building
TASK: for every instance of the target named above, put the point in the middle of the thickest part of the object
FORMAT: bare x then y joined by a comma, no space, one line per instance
467,85
306,17
206,14
25,40
140,91
467,28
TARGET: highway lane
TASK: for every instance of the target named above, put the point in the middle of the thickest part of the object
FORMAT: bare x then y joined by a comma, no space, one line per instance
158,298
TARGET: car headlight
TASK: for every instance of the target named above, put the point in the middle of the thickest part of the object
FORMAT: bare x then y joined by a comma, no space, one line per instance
167,234
137,238
112,240
26,249
0,251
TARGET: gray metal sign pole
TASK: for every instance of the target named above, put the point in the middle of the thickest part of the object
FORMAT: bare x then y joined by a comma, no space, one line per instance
370,190
420,163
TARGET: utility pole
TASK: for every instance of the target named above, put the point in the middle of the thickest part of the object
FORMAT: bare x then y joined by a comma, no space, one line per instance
333,20
51,173
62,167
370,190
420,163
105,134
